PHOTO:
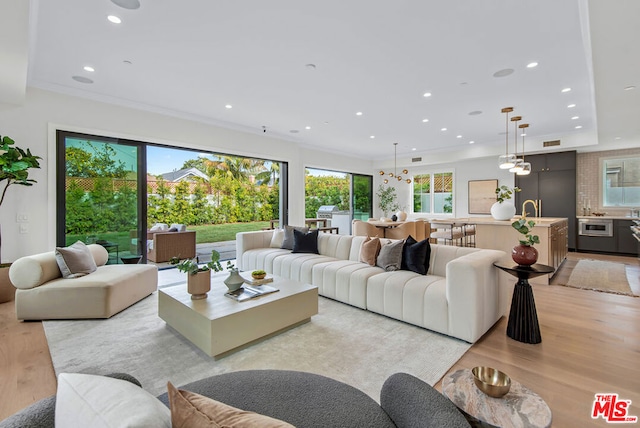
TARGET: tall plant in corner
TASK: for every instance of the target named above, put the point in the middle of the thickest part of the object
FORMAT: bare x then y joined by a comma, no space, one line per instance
15,164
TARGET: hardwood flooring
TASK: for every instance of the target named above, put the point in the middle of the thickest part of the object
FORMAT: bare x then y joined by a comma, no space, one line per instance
590,344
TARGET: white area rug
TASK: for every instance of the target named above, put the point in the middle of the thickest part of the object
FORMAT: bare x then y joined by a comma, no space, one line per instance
342,342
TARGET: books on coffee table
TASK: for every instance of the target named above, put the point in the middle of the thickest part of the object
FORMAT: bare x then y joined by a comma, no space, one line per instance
252,281
247,292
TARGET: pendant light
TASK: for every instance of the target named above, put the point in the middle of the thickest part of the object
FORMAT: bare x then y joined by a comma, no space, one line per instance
394,173
517,163
507,160
526,166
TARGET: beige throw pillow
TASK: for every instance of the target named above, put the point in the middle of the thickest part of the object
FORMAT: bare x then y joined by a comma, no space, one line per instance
191,410
370,250
75,260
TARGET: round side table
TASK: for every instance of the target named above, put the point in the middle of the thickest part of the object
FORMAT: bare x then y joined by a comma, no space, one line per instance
520,407
523,318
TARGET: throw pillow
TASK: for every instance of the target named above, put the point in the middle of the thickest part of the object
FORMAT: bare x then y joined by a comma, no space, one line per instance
277,238
370,250
287,242
159,227
390,257
415,255
305,242
85,400
191,410
75,260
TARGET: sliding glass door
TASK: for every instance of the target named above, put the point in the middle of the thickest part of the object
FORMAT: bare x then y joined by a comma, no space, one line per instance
361,197
101,192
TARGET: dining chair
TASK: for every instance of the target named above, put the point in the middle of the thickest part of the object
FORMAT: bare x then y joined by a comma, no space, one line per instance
362,228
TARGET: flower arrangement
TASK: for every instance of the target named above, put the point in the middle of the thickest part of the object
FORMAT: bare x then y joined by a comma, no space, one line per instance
504,193
523,226
192,267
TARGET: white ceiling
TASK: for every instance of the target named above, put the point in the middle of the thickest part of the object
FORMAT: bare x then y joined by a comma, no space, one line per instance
191,58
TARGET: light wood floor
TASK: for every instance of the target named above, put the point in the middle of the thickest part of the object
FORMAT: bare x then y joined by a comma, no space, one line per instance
590,344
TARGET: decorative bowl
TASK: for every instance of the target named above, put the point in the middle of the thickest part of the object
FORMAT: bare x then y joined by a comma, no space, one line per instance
258,274
599,214
491,381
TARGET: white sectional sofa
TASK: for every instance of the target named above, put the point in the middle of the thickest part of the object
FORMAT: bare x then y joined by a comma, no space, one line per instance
462,295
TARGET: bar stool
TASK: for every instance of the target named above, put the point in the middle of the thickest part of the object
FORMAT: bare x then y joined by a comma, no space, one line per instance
469,231
448,232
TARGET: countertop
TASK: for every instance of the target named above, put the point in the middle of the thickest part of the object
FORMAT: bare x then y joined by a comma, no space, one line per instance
540,221
610,217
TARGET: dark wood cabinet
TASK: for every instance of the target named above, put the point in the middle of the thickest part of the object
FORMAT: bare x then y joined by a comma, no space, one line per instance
553,182
625,242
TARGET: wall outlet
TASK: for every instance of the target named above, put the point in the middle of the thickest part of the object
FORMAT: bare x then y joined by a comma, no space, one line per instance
24,228
22,218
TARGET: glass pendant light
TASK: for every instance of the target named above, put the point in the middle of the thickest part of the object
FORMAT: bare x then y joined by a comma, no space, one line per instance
517,163
526,166
506,161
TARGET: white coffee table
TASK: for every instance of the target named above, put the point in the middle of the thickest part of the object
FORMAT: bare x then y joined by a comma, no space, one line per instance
219,325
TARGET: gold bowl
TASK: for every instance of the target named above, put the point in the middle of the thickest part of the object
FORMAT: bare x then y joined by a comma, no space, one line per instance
492,382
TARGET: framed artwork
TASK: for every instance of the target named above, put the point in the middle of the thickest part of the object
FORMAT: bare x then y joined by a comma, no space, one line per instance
482,194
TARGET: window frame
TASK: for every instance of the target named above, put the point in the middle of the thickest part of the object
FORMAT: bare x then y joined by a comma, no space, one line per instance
432,174
605,187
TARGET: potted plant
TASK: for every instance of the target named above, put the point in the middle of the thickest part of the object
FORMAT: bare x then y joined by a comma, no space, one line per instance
199,276
525,254
387,200
15,164
503,208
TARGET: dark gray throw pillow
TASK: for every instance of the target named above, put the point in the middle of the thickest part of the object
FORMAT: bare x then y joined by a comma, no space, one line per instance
305,242
390,257
415,255
287,242
75,260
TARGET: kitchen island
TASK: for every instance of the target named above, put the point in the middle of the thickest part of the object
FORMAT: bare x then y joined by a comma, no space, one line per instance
499,235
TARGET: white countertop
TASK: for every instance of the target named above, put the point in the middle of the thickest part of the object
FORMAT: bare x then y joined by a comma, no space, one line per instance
610,217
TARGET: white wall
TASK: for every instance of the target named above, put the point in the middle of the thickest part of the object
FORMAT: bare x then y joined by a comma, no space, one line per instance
33,126
463,171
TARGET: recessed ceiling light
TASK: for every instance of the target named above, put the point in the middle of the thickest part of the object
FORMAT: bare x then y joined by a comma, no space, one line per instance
503,73
372,136
114,19
571,106
413,149
566,90
618,138
425,120
82,79
89,68
458,136
475,112
127,4
471,142
307,127
126,61
310,66
359,113
532,64
629,88
426,94
579,127
575,117
443,129
228,106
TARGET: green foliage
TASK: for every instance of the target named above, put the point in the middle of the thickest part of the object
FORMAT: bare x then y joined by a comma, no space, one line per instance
448,204
192,267
15,164
387,199
524,228
503,193
99,162
325,190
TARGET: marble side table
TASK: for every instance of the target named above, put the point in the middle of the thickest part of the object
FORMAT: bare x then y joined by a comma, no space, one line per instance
520,407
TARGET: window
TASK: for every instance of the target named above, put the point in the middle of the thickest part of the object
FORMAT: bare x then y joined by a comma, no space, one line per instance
433,193
621,182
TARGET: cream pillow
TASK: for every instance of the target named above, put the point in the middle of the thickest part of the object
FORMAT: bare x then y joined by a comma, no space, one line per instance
277,238
191,410
85,400
75,260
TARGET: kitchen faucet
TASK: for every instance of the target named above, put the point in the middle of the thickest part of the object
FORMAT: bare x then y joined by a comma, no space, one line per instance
535,207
